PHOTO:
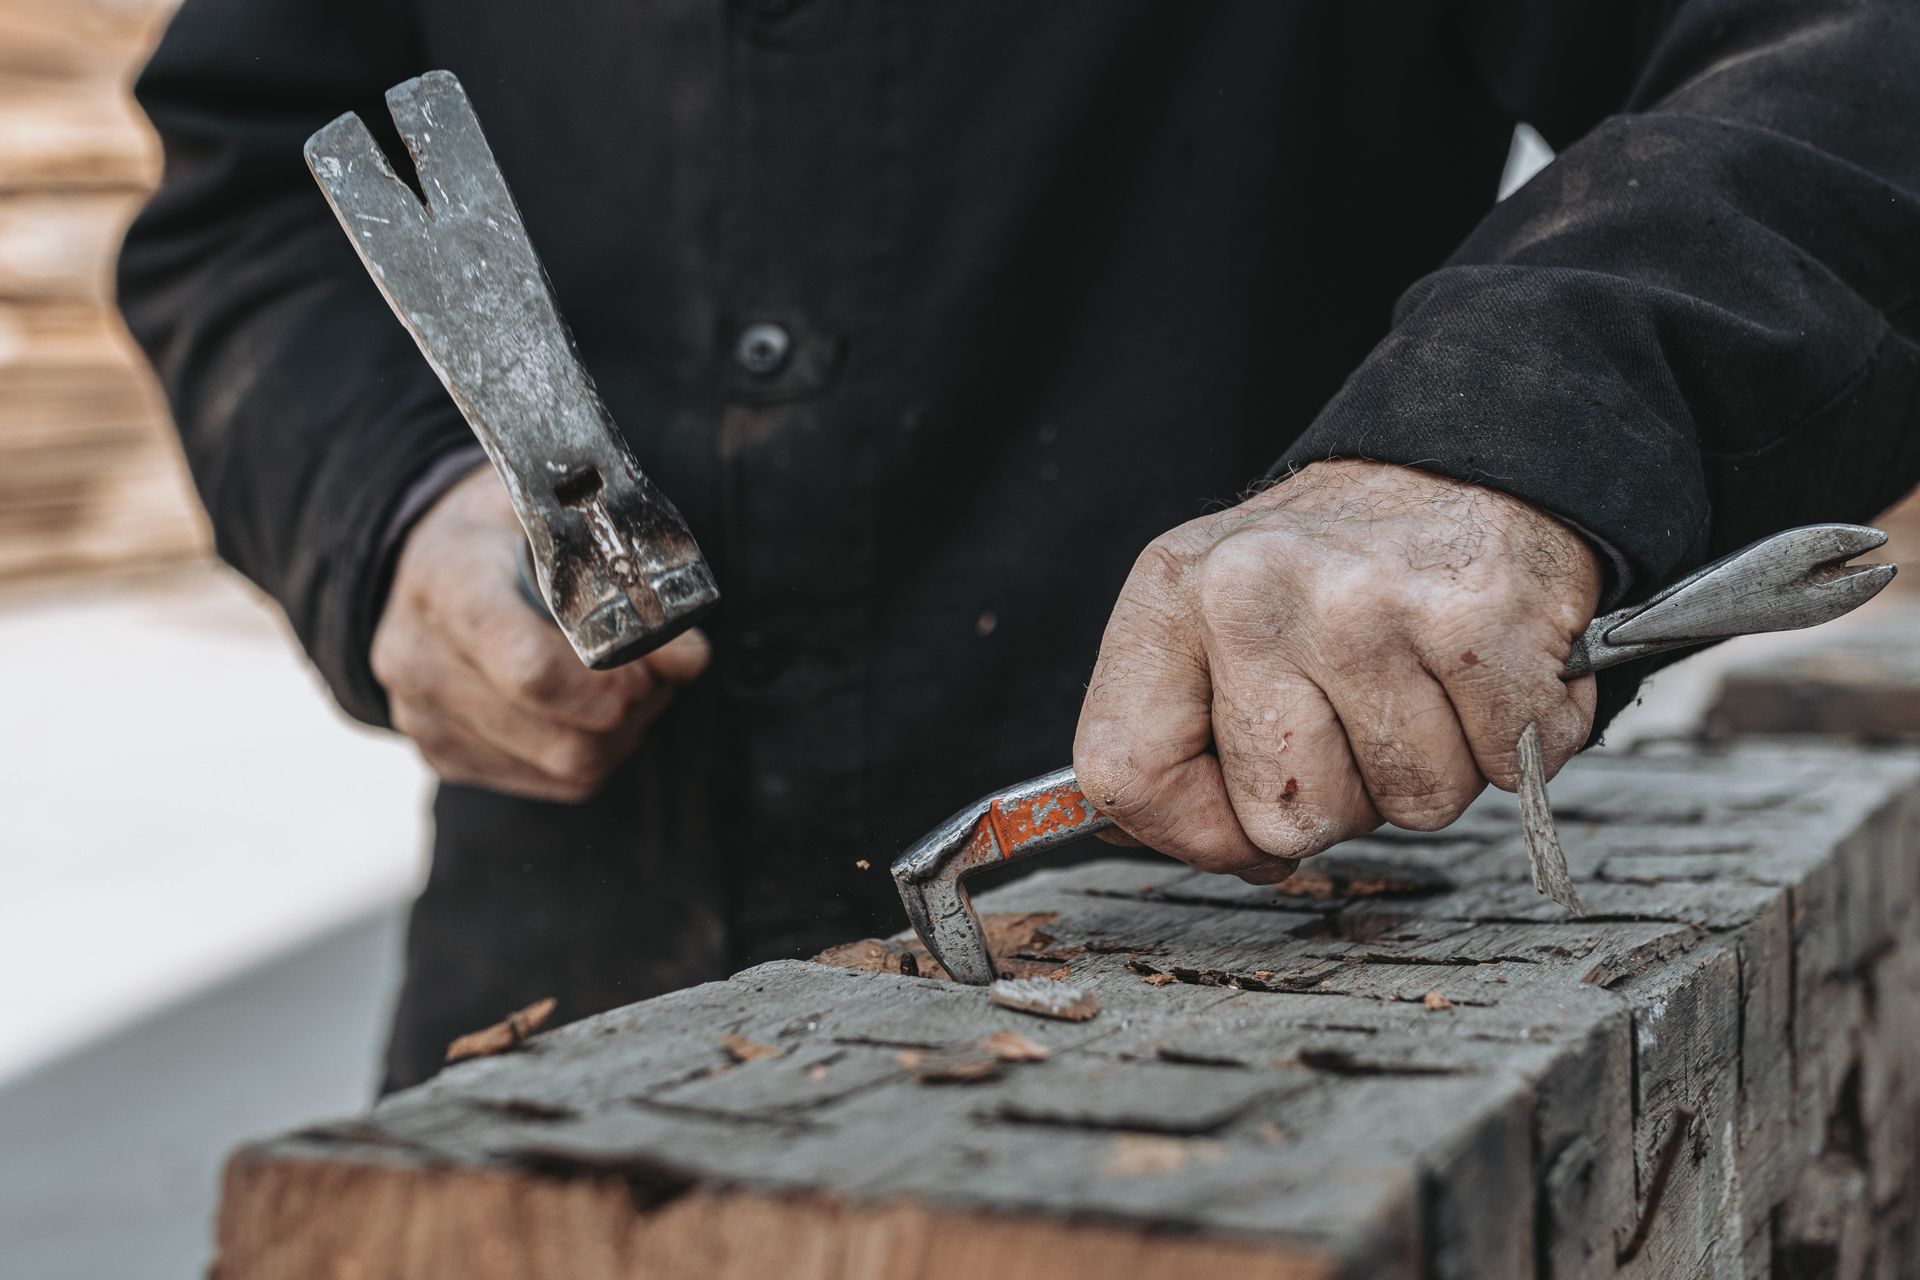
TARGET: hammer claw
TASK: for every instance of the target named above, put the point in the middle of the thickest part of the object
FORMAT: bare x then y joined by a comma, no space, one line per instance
1008,826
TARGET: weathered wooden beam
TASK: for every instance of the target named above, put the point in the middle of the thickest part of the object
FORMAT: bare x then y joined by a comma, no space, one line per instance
1410,1065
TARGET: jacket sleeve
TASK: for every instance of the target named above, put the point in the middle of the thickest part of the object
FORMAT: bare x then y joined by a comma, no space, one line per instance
1701,323
305,409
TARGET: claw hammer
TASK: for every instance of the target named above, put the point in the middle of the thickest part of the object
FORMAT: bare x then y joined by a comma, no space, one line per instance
1791,580
615,564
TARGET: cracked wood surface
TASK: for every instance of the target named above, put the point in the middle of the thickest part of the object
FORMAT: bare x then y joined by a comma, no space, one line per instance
1411,1066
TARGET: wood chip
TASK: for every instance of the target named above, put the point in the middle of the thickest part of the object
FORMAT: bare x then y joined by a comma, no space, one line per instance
741,1049
863,864
1018,940
1011,1046
503,1035
1548,859
1044,999
1141,1155
962,1067
1436,1001
1160,979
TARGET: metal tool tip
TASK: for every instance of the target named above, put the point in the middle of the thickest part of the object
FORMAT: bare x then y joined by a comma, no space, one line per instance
1844,541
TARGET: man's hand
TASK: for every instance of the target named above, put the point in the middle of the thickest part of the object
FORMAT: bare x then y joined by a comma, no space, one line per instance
1361,643
488,689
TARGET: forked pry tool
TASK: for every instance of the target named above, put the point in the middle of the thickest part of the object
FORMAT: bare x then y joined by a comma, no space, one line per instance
1791,580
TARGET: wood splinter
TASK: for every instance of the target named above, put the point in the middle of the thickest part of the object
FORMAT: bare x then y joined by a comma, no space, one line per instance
1544,854
506,1034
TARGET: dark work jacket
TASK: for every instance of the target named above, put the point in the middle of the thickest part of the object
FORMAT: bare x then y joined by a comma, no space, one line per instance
1059,277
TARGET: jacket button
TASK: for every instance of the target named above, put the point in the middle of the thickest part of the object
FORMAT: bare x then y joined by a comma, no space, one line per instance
762,349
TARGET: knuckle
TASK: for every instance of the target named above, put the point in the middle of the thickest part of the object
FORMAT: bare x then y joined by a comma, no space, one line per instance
1155,589
574,758
390,658
1238,577
410,721
535,671
1290,834
1454,623
1502,766
1355,624
604,714
1158,575
1409,791
1295,811
1165,559
1107,777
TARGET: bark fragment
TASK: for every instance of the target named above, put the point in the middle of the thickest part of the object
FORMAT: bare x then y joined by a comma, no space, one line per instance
1011,1046
741,1049
506,1034
963,1067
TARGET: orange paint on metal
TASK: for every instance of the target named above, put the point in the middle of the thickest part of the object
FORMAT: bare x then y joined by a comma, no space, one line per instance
1049,813
983,844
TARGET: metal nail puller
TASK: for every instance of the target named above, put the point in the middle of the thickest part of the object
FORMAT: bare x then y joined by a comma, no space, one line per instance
1796,579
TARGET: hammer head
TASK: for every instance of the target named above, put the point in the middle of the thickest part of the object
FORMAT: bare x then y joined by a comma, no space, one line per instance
617,566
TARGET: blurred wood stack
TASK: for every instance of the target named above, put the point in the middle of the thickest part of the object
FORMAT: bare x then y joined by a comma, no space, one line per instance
90,475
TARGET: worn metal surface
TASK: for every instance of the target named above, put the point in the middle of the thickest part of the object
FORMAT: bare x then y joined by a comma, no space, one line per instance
1794,579
1005,827
617,566
1787,582
1411,1066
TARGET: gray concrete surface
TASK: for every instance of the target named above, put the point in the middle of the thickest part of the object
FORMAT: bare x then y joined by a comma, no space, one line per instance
179,800
110,1156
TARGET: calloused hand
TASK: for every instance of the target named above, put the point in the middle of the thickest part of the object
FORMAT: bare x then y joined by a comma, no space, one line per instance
1360,643
490,691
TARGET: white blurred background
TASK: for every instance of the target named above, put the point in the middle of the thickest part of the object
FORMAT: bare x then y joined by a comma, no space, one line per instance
203,865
